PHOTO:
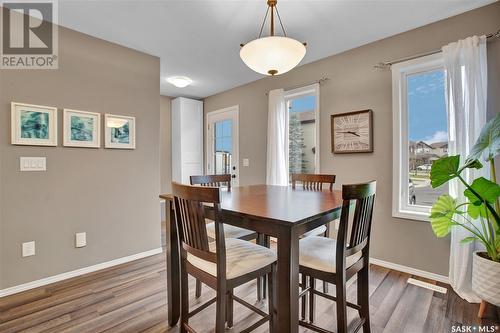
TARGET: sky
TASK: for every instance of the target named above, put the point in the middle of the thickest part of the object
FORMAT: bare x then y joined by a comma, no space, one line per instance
427,107
306,103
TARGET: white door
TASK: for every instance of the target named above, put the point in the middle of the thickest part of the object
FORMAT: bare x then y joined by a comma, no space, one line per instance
223,143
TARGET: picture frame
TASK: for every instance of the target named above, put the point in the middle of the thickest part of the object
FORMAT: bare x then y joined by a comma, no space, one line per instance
119,132
33,125
81,129
352,132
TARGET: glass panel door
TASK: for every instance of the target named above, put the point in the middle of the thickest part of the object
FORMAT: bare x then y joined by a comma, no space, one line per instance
222,143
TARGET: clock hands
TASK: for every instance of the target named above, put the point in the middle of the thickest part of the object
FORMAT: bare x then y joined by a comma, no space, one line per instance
350,132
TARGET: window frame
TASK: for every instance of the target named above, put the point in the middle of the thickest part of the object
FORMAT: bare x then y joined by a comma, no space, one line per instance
400,188
312,89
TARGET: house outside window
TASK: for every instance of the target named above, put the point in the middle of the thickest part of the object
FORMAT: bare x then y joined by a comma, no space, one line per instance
303,129
420,134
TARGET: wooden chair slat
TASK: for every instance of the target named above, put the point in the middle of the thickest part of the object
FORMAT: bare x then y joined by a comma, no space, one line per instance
212,180
313,182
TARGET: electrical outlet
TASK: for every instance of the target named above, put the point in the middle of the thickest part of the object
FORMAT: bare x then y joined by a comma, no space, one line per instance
80,239
28,249
246,162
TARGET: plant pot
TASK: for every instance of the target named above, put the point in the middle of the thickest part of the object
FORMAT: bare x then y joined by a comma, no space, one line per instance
486,278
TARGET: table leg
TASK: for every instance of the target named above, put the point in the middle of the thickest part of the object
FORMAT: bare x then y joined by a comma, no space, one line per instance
287,283
173,277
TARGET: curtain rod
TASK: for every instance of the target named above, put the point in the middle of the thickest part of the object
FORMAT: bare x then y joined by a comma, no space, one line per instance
388,64
323,79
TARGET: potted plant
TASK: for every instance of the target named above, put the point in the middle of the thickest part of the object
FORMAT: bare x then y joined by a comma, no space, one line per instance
479,214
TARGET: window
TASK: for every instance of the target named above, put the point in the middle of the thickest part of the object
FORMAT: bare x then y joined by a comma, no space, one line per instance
303,110
420,134
223,140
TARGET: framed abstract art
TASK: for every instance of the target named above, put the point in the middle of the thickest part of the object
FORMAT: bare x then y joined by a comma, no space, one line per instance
81,129
119,132
33,125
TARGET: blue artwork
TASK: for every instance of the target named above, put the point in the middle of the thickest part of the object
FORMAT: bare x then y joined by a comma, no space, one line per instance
34,125
82,129
121,134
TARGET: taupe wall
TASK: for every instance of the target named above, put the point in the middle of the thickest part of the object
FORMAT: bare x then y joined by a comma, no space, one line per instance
109,193
165,144
355,85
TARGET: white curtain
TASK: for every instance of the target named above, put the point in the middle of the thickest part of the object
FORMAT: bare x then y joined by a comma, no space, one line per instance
466,86
277,139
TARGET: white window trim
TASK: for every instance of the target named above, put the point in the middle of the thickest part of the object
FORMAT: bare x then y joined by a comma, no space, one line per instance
400,181
312,89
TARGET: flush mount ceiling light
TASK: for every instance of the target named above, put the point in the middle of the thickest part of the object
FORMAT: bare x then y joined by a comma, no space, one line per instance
179,81
272,55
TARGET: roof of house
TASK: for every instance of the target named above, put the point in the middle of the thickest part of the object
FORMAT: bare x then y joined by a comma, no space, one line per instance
439,145
307,116
419,143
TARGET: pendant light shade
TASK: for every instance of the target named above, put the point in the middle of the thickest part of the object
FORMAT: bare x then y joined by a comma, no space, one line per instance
272,55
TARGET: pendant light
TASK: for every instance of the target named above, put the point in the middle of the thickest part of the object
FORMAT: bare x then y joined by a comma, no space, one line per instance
272,55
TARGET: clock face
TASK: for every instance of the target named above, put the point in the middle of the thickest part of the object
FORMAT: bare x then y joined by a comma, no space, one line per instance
352,132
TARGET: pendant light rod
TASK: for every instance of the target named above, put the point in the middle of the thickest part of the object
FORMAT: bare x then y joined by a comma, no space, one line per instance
272,4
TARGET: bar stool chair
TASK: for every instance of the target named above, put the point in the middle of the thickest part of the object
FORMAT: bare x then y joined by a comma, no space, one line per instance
315,182
230,231
337,261
222,265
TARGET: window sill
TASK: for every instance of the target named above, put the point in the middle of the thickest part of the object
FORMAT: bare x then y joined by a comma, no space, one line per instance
411,215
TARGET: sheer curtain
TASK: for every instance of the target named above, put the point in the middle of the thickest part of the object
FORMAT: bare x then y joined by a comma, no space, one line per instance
466,86
277,139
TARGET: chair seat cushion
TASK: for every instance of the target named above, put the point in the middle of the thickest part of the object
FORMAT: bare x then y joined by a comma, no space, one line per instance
242,257
319,231
320,253
230,231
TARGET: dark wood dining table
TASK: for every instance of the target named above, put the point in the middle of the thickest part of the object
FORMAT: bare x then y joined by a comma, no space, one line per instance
276,211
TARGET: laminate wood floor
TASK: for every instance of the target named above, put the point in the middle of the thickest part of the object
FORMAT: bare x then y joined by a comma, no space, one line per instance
132,298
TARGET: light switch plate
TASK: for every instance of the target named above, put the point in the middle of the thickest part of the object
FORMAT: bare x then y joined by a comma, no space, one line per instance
28,249
80,239
246,162
33,163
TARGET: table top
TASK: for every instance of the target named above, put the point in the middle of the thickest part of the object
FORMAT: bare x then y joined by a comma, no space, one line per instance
281,203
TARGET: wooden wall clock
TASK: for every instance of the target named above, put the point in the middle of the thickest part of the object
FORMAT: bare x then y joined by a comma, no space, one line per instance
352,132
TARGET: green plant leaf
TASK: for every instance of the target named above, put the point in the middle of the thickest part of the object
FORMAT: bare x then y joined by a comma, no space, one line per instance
471,164
444,169
487,189
488,144
475,211
441,215
467,240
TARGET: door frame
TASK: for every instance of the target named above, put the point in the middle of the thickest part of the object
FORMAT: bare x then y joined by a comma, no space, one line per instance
235,112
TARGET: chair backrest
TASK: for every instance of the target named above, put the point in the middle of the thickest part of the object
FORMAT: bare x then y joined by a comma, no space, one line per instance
212,180
362,197
190,219
313,182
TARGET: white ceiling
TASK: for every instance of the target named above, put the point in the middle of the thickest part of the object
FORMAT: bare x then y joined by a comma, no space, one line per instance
200,39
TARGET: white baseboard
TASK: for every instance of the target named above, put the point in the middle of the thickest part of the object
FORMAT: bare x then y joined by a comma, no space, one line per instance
77,272
410,270
111,263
